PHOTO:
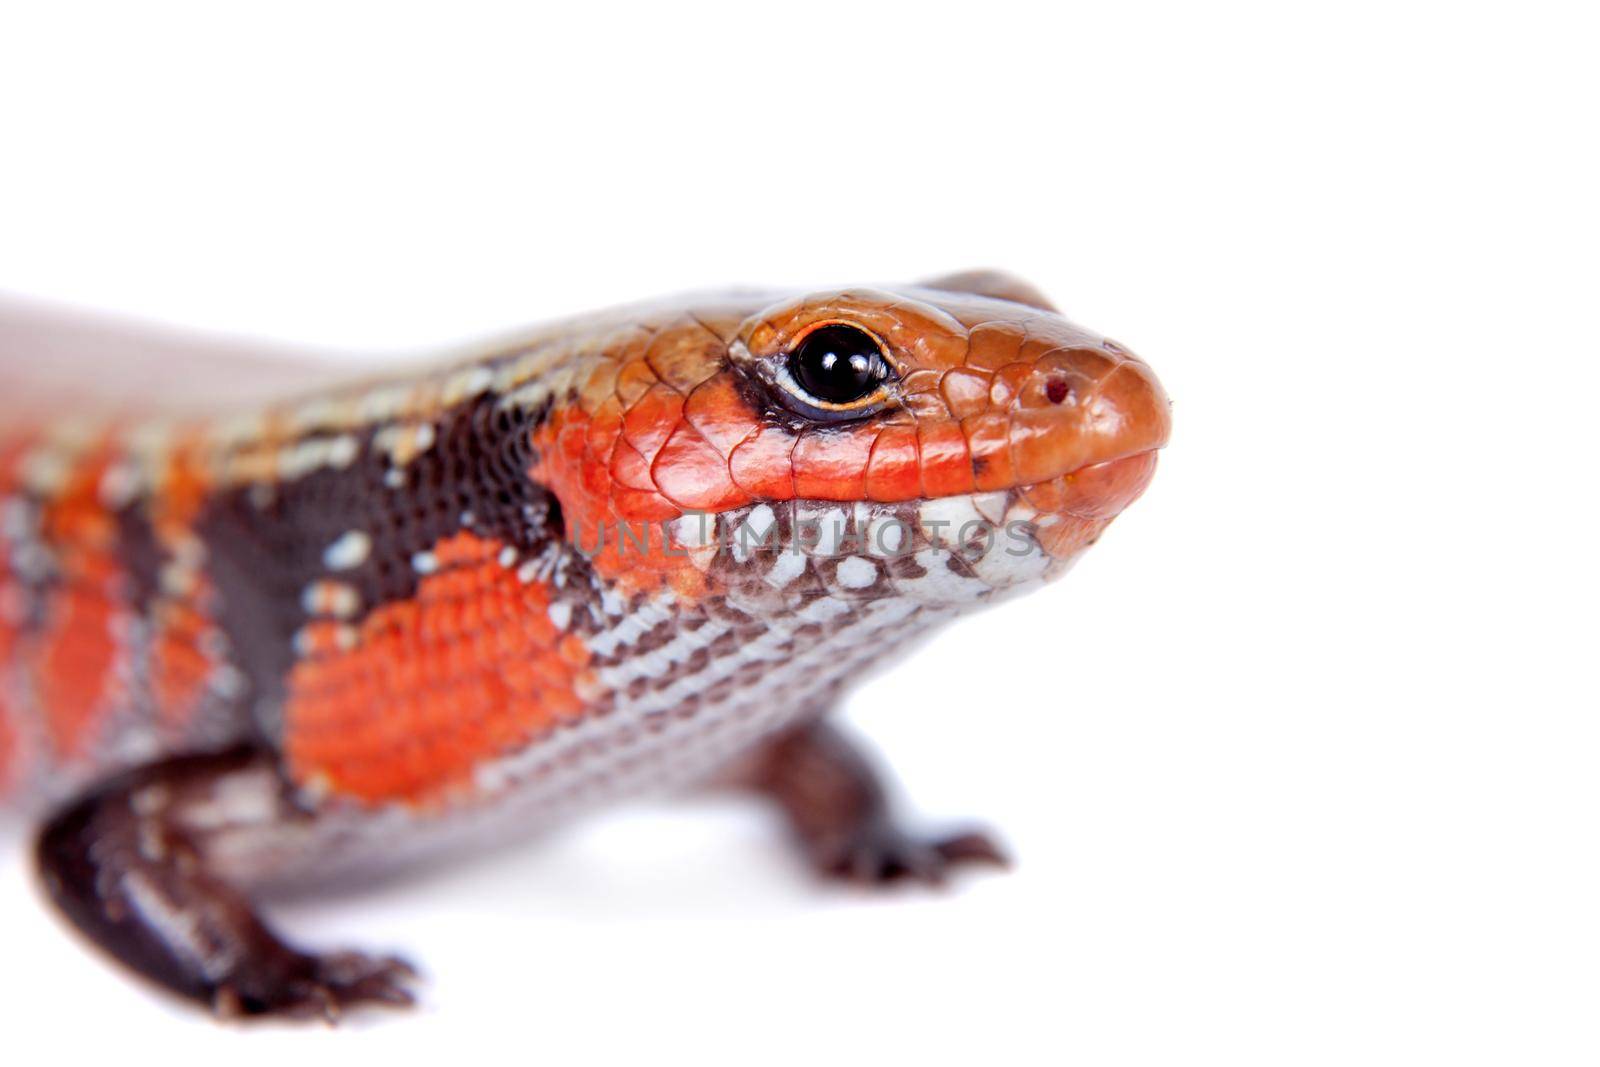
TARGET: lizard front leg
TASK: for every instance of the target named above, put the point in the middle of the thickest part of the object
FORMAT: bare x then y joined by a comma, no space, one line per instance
132,865
839,810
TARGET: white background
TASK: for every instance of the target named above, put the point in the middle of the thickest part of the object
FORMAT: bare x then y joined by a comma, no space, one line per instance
1299,764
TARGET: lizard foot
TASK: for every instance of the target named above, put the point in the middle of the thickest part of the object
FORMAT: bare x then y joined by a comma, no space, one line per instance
298,985
130,864
839,811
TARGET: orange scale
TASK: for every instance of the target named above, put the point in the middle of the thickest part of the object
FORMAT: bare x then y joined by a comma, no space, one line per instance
1038,447
573,442
10,749
965,391
1085,365
459,548
762,465
504,641
595,477
557,668
536,629
491,648
634,506
894,470
503,735
992,345
688,583
946,461
649,423
630,469
522,676
831,464
923,380
1008,383
470,617
1049,497
563,703
74,671
179,674
602,428
694,476
573,650
989,441
718,411
444,621
1070,535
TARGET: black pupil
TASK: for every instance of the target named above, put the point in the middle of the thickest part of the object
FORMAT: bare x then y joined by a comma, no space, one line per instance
838,364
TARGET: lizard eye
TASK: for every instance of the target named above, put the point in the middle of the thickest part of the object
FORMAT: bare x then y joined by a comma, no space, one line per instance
838,367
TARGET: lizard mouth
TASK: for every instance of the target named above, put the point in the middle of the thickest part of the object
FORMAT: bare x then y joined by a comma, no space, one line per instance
1010,539
1061,516
1070,510
943,551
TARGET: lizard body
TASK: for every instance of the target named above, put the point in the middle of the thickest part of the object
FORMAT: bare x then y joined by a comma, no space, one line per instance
630,553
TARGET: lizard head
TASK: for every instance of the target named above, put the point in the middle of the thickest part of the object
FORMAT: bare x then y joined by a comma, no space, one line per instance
940,442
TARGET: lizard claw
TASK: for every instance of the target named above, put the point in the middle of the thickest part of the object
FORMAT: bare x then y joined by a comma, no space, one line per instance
882,854
313,986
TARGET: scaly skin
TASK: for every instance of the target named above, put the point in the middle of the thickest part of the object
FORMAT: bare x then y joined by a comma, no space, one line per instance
630,553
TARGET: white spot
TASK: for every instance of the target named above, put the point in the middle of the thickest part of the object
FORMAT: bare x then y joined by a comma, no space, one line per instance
944,517
404,442
176,579
313,453
228,682
561,614
886,536
382,404
507,557
425,563
45,471
753,531
788,566
824,532
331,598
342,451
237,800
467,384
119,485
528,572
693,530
856,573
348,552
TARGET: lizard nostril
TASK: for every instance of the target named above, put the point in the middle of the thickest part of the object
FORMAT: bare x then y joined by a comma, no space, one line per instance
1056,390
